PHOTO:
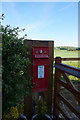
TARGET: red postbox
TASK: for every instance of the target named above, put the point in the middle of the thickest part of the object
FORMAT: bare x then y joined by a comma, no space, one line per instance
40,68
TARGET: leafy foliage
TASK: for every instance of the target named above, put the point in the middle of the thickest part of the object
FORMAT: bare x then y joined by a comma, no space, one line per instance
14,112
16,81
41,108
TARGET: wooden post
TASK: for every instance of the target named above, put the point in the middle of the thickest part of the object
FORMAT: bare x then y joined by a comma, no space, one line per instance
28,107
28,99
47,94
56,87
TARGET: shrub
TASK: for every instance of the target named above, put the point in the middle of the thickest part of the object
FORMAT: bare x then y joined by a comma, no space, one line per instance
14,112
16,82
41,108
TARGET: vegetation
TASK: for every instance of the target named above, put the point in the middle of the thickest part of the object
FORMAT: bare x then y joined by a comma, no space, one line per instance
68,54
14,112
16,81
67,48
41,108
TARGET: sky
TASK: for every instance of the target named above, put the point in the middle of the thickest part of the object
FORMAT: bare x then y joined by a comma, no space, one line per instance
56,21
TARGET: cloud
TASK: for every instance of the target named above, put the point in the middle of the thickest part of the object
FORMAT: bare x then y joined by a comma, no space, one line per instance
31,27
47,10
67,6
36,25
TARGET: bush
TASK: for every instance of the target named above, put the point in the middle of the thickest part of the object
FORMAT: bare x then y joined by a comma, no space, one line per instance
41,108
15,61
14,112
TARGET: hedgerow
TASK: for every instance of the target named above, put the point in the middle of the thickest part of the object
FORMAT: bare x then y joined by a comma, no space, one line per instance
16,82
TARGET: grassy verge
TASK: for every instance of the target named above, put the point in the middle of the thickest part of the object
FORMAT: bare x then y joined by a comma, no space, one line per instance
75,64
71,63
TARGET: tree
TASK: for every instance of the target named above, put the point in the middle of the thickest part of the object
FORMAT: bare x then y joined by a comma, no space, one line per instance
16,82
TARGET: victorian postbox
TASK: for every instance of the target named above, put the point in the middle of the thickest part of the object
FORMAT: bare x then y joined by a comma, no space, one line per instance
40,68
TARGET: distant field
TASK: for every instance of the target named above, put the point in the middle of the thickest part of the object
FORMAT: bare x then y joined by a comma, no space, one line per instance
66,54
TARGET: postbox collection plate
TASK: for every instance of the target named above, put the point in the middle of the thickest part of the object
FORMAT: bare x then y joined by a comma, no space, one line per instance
40,68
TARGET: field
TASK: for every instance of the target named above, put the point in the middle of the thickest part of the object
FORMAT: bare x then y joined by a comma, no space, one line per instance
68,54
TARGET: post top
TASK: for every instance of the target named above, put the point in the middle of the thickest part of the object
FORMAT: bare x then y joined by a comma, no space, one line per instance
40,39
58,60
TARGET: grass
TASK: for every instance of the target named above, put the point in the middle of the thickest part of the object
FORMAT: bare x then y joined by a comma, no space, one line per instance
68,54
72,63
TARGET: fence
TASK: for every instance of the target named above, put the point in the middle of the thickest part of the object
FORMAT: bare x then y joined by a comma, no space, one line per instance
65,70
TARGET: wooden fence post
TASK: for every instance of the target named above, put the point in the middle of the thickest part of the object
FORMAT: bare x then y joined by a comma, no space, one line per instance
28,99
47,95
56,87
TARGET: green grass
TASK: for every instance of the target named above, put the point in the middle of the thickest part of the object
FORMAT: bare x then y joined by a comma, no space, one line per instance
75,64
72,63
68,54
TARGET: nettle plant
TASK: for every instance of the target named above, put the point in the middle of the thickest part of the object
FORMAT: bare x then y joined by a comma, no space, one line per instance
16,82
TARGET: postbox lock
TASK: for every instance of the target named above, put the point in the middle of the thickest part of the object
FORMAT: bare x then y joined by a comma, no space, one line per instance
40,51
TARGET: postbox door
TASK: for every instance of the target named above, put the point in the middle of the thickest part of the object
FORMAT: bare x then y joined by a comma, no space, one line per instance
40,68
